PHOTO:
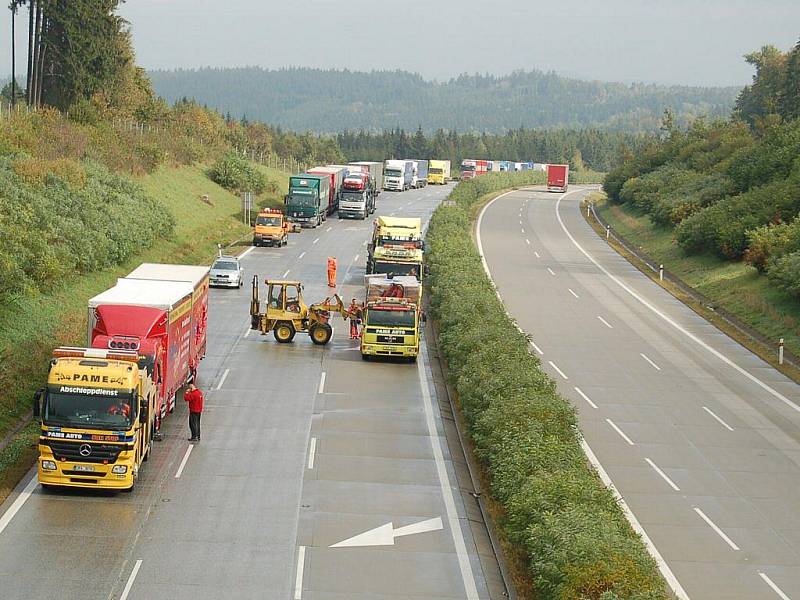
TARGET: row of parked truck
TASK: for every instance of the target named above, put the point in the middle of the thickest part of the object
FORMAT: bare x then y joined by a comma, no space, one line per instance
557,175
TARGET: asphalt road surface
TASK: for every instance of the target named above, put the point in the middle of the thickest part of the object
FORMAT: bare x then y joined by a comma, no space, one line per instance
700,436
303,448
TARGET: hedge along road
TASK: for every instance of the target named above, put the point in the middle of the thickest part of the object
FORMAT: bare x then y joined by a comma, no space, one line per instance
700,437
303,448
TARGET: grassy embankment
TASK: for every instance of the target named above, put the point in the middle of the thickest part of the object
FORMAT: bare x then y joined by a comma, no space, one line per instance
33,326
733,285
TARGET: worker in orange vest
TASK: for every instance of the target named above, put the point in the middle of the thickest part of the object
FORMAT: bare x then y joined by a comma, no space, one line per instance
332,271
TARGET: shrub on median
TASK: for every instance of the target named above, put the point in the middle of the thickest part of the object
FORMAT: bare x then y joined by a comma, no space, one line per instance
556,511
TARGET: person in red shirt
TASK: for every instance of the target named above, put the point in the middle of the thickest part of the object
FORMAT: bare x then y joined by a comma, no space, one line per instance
195,399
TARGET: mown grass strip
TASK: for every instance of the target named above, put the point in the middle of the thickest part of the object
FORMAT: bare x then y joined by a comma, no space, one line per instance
553,507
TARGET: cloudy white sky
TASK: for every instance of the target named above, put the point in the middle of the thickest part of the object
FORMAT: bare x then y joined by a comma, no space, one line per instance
697,42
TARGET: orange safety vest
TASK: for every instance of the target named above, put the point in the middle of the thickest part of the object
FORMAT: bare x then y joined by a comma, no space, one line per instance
331,271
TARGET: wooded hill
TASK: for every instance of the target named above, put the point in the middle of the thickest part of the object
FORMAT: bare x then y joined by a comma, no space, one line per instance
332,100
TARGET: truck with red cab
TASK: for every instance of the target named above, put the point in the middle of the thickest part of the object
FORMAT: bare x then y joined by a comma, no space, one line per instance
557,178
473,168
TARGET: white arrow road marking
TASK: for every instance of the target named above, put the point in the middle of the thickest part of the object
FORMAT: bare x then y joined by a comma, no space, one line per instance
386,534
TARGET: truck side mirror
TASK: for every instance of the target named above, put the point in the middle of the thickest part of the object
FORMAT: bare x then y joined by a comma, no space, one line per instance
423,317
37,402
143,407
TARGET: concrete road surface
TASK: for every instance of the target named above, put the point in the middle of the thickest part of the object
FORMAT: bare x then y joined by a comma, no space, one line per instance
303,448
701,437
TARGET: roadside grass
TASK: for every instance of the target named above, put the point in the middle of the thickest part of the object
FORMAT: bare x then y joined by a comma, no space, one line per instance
31,327
732,285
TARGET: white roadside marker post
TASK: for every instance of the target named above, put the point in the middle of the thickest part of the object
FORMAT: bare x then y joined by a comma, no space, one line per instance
661,272
780,352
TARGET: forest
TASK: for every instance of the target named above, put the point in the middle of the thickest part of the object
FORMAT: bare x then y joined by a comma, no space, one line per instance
330,101
730,187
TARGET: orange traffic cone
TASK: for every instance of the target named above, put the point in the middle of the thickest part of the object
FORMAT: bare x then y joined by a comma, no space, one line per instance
332,271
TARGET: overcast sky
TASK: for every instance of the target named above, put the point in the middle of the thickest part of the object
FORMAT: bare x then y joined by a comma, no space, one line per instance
696,42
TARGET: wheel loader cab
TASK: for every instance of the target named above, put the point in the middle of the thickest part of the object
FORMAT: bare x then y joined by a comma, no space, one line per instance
285,301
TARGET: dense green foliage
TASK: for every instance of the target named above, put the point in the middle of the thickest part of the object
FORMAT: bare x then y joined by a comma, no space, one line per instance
586,148
236,174
731,188
331,100
556,510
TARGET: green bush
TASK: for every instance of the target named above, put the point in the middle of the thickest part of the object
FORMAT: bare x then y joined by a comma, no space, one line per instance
237,174
772,241
785,272
555,508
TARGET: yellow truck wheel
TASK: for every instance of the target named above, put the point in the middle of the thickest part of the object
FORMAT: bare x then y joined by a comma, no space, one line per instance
284,332
320,333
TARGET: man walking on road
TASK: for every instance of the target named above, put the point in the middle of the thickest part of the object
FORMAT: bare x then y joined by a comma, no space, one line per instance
195,399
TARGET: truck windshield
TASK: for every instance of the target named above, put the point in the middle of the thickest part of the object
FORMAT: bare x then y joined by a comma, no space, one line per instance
306,201
397,268
467,167
269,221
377,317
392,173
435,171
353,196
394,241
84,407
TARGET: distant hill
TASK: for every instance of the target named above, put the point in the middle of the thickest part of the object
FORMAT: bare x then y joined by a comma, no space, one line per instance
327,101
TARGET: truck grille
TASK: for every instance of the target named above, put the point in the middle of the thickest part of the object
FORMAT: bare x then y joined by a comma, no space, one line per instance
101,453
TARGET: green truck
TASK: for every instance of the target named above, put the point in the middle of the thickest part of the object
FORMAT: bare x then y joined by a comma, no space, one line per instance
307,200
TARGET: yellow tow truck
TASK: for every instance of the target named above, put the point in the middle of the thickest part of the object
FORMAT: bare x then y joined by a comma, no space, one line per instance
97,419
286,313
272,228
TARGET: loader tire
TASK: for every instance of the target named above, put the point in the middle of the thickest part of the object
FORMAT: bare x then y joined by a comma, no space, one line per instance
320,333
284,332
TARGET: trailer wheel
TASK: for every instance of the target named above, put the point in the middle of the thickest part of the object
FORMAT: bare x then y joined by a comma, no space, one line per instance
320,333
284,332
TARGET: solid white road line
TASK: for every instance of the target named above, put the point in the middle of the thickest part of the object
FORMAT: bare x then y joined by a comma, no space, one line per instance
301,255
573,293
311,452
224,377
131,579
654,365
774,587
620,432
298,582
776,394
604,322
246,252
663,475
549,270
444,483
179,472
286,272
17,504
559,371
585,397
723,423
315,241
537,254
719,531
321,388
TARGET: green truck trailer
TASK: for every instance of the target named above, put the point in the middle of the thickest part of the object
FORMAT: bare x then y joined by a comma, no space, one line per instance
307,200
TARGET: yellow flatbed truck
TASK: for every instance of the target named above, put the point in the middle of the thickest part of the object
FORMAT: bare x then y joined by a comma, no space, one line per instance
97,419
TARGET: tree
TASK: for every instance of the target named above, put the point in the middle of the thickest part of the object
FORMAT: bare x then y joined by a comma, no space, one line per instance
790,98
19,92
762,98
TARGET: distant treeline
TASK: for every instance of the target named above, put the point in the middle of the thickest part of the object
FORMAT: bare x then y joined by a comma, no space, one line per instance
586,148
331,101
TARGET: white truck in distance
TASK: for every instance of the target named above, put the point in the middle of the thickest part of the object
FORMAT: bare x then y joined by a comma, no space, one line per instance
397,175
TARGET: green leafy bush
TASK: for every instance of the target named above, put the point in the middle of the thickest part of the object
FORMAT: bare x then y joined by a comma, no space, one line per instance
771,241
556,509
237,174
785,272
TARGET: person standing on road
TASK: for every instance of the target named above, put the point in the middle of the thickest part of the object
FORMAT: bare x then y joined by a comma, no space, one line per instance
355,319
332,271
195,399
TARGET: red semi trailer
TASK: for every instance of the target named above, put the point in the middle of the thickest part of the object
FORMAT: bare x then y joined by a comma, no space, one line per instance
557,178
473,168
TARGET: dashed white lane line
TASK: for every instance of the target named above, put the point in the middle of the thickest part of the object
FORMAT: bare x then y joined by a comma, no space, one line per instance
286,272
654,365
549,270
723,423
527,241
315,241
620,432
131,579
17,504
312,452
774,587
301,256
716,529
664,476
585,397
535,347
246,252
329,229
298,582
179,472
523,230
364,243
559,371
604,322
321,388
573,293
224,377
537,254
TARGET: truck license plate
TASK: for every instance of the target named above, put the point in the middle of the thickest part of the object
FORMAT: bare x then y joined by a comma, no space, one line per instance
84,468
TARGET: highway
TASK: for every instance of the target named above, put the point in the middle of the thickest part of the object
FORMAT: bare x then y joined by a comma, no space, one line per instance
303,448
700,437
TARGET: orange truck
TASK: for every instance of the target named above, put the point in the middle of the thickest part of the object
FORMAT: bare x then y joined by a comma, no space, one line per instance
271,228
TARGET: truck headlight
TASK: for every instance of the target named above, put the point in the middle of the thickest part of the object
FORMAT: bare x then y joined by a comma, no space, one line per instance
48,465
119,469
